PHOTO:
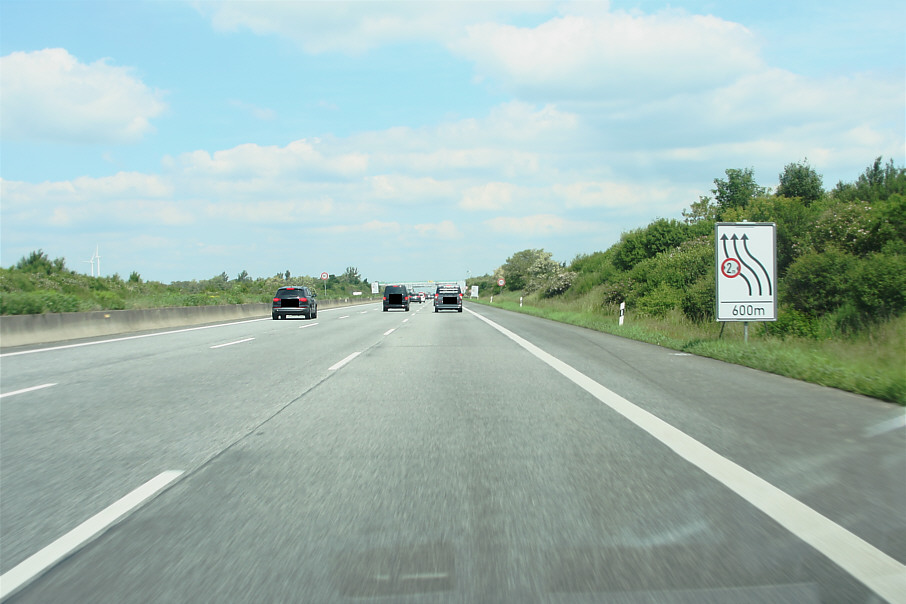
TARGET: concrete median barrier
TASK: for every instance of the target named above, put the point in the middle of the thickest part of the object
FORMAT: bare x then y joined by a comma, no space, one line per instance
21,330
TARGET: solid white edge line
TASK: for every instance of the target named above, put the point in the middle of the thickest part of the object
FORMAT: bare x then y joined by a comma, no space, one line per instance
336,366
26,390
879,572
231,343
36,564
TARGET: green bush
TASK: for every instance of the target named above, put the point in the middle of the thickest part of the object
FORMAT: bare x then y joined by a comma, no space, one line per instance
699,299
878,285
37,302
792,323
660,301
818,283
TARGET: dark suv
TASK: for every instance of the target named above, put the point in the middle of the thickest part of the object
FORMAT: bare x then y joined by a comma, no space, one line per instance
448,297
294,301
396,296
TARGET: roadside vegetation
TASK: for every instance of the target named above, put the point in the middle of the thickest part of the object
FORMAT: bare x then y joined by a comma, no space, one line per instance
37,285
841,263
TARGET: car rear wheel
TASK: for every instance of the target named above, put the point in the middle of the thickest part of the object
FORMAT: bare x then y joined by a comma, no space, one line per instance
274,316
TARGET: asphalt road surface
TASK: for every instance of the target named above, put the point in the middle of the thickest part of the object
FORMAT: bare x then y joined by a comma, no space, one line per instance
480,456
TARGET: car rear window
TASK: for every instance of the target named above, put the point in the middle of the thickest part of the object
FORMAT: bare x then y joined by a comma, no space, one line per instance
394,289
293,292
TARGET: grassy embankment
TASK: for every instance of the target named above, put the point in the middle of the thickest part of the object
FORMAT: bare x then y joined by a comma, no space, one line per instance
872,362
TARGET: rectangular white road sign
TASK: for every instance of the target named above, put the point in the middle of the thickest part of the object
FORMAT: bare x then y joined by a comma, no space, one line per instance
746,256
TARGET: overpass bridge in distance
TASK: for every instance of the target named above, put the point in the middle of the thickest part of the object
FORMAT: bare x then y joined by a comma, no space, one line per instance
422,286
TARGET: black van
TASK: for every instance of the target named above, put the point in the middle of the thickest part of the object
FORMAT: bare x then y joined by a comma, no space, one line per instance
396,296
448,297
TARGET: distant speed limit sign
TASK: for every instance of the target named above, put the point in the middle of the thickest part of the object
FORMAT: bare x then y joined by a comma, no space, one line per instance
324,276
501,282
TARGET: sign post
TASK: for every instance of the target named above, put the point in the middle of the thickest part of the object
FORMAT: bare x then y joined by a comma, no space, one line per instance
746,272
324,278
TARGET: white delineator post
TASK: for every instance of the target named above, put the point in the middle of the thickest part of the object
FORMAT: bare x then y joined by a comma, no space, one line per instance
622,311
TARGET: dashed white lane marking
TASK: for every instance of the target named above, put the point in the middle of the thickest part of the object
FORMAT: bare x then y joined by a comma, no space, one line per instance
33,566
389,331
309,325
26,390
231,343
144,335
336,366
879,572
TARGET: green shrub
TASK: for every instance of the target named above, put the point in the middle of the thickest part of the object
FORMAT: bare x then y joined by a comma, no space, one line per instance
21,303
660,301
108,300
793,323
818,283
37,302
878,285
699,299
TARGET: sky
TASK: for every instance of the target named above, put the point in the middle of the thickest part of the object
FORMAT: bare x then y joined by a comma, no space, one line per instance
417,140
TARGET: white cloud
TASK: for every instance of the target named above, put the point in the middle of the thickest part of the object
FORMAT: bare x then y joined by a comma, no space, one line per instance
614,56
356,27
301,159
445,230
539,225
400,189
48,95
270,212
491,196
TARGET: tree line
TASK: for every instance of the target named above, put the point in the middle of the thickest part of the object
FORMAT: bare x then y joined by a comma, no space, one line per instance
841,253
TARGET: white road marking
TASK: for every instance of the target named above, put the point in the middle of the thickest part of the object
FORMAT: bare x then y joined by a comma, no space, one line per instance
145,335
389,331
405,320
33,566
343,317
362,312
879,572
889,425
231,343
336,366
309,325
26,390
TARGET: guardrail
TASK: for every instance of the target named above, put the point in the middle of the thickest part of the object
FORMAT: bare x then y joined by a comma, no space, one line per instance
21,330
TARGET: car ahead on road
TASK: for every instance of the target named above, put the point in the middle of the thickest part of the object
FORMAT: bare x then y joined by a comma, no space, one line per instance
396,296
415,297
448,297
294,300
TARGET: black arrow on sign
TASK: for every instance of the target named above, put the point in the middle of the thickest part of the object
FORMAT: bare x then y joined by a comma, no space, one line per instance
738,257
727,255
767,276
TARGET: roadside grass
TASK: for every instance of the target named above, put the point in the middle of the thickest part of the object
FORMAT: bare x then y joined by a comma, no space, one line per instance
871,362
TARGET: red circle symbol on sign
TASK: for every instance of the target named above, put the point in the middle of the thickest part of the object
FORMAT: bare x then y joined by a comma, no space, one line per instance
730,268
324,276
501,282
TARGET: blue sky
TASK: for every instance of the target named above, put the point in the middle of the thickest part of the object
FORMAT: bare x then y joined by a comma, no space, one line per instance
415,140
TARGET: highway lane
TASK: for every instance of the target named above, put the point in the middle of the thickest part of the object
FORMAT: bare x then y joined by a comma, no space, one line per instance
445,463
125,409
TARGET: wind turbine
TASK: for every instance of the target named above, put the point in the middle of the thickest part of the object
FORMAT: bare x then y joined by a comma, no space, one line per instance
91,262
98,258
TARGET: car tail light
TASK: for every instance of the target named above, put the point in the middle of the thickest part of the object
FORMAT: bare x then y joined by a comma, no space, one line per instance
276,299
303,299
385,298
